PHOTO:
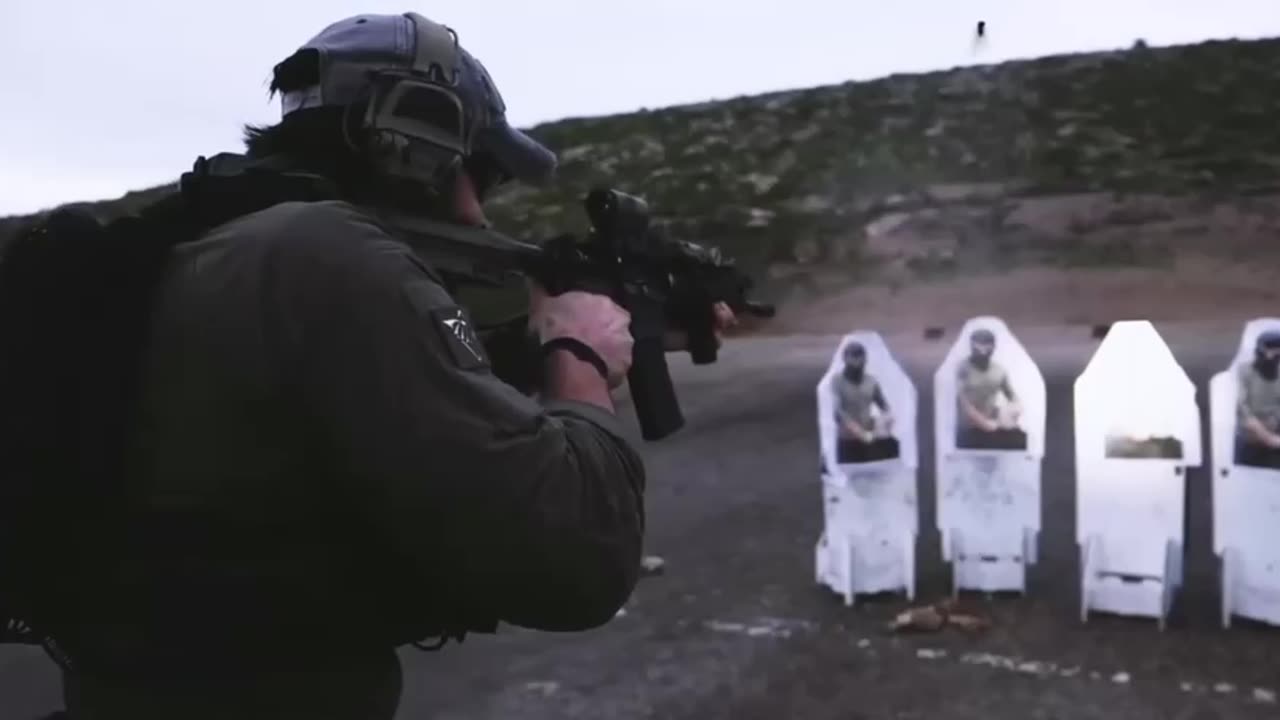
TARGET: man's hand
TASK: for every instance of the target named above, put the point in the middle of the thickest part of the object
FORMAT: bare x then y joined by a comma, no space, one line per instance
677,340
593,320
990,425
1272,440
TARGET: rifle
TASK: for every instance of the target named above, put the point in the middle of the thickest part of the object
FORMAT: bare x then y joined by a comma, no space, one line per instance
664,283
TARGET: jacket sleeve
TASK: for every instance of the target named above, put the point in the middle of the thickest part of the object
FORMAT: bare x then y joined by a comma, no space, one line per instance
532,512
513,355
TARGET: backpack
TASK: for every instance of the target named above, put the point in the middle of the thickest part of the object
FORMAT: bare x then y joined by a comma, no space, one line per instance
74,301
75,308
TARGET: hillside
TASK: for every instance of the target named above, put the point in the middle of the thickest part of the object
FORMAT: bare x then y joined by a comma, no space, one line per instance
1134,157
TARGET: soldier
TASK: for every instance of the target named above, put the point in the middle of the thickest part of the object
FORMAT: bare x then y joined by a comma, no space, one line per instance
1258,409
321,463
863,419
980,385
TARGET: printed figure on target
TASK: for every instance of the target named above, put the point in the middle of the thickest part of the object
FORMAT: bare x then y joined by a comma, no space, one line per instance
988,410
1257,436
1244,419
866,435
863,419
989,415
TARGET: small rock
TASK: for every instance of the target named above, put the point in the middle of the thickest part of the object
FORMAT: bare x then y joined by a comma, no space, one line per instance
1120,678
760,182
652,565
930,654
864,643
759,217
1224,688
886,224
1264,695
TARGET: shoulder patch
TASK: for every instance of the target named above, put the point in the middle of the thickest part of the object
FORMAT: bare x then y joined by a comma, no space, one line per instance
450,322
459,335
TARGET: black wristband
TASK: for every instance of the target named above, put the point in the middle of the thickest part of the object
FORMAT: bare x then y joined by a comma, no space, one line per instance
580,350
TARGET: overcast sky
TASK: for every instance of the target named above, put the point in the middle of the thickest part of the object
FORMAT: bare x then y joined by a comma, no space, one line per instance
104,96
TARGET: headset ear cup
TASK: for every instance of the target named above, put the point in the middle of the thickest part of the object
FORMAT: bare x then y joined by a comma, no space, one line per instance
393,127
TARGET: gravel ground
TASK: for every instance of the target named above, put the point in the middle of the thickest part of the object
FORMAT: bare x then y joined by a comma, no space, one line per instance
736,627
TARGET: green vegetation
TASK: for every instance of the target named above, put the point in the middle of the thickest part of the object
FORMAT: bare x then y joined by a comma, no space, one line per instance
791,180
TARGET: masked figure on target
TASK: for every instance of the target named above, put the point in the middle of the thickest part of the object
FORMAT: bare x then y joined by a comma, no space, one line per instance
1258,408
863,420
988,409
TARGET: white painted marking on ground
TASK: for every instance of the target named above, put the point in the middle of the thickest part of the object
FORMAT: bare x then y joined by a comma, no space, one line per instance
762,627
786,627
1026,667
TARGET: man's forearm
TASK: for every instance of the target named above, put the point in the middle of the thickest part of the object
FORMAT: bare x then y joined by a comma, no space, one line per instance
1256,429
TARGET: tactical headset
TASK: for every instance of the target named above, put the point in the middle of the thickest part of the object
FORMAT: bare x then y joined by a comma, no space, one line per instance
415,125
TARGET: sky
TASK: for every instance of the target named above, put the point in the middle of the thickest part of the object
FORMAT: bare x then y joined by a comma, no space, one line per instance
101,97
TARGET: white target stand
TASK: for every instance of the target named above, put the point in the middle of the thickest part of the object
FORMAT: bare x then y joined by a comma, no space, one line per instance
870,521
988,476
1246,497
1137,430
